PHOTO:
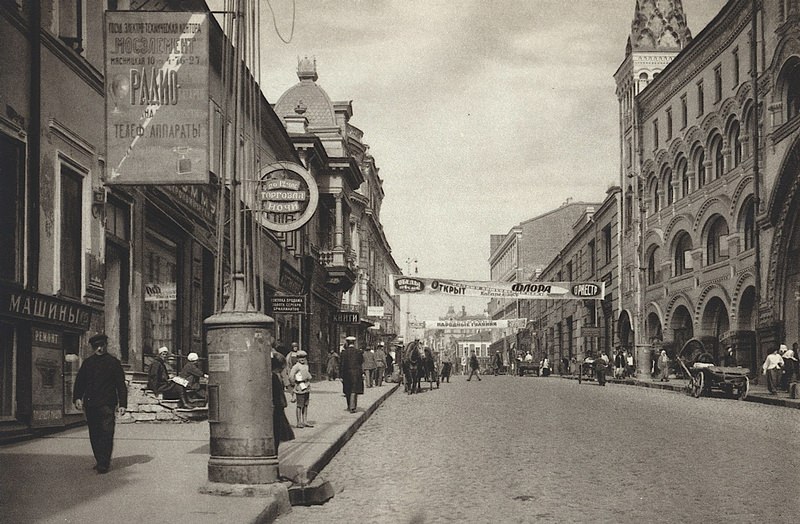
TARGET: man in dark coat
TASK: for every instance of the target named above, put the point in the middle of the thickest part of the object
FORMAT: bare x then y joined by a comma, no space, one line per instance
99,388
351,370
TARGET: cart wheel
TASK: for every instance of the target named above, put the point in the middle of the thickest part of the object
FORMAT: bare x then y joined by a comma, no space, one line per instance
697,385
741,391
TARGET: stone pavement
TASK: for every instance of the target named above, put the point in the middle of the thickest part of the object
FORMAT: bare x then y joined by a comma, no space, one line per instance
158,469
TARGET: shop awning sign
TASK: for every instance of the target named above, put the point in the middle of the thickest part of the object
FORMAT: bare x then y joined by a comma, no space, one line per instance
346,317
401,285
157,105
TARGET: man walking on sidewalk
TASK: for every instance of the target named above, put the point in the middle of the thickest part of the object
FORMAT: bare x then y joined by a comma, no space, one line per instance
352,373
99,388
772,369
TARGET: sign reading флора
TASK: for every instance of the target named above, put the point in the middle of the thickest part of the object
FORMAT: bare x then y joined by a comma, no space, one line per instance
157,106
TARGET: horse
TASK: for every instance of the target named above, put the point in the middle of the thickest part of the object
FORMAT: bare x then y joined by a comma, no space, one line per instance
413,367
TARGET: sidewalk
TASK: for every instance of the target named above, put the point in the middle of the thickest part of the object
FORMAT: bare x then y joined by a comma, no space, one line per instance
758,392
158,469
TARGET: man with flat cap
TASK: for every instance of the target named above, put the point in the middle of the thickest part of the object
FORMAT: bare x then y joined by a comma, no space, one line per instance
351,370
99,389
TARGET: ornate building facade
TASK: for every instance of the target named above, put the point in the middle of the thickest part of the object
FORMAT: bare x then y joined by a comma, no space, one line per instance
710,178
357,254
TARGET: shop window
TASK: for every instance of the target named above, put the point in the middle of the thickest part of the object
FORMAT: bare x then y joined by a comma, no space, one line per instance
70,232
161,293
12,198
7,350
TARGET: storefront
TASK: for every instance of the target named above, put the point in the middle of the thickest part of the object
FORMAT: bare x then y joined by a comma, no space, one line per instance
40,348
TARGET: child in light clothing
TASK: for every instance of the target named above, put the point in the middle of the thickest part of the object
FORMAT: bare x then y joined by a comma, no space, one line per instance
300,379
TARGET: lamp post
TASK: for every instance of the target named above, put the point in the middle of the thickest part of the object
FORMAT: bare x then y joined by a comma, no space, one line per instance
409,261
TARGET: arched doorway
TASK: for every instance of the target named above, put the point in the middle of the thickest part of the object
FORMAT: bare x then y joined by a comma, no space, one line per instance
654,331
681,326
745,343
625,331
715,324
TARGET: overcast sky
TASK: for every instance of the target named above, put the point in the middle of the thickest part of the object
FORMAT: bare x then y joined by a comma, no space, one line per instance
479,114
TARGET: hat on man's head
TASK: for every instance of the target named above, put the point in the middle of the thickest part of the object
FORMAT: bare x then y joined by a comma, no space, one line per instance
302,354
191,357
163,349
98,339
295,345
351,338
380,343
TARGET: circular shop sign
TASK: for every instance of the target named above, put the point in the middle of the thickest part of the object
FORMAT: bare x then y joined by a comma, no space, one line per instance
288,196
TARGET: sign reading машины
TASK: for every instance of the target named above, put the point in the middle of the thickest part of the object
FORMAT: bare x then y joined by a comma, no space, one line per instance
157,109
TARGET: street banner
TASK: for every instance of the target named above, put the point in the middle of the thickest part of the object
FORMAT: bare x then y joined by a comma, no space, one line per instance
402,285
513,323
157,105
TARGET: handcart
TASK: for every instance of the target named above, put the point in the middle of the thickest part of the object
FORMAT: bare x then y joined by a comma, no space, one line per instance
704,375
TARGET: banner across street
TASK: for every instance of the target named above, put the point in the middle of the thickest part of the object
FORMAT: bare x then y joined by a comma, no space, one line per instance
403,285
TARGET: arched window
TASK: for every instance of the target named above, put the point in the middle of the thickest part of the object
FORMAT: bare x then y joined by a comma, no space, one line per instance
748,129
717,241
654,194
629,208
719,159
683,175
700,169
793,89
683,254
748,227
653,261
736,144
668,189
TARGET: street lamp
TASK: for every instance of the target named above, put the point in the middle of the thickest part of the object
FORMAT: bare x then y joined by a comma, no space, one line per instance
409,261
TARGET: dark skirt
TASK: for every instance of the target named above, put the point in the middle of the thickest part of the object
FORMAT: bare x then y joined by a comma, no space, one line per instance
281,428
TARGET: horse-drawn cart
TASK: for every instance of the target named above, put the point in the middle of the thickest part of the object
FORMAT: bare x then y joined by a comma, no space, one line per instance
704,375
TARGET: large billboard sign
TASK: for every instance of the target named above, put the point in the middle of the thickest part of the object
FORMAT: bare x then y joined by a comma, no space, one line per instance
157,106
402,285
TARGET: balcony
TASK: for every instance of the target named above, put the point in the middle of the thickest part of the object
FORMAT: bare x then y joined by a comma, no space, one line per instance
341,267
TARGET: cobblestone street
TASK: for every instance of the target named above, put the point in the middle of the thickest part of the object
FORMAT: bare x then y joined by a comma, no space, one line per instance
510,449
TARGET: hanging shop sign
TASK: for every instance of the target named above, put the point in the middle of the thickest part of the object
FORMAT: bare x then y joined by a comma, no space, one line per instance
163,292
287,304
288,196
157,109
400,284
512,323
375,311
346,317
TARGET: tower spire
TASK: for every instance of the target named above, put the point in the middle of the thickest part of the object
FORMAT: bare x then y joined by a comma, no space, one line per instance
658,25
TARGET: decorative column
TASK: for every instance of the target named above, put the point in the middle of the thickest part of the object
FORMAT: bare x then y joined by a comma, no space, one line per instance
339,229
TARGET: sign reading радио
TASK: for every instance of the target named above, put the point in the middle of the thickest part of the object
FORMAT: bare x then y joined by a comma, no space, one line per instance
403,285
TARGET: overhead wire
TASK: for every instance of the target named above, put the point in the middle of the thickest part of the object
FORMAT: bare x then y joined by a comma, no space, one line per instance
275,22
